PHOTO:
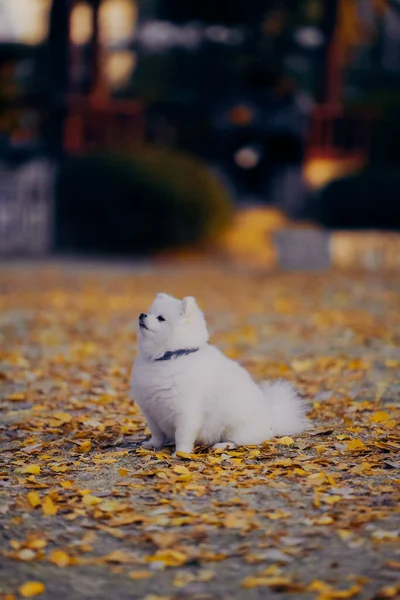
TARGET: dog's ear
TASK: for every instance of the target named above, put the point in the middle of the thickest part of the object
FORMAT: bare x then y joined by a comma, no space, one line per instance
164,297
189,306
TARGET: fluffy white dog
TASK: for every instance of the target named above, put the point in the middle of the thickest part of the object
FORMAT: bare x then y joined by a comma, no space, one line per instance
189,392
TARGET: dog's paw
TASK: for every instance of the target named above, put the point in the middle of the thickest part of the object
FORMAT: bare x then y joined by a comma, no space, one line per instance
148,445
182,455
152,445
224,446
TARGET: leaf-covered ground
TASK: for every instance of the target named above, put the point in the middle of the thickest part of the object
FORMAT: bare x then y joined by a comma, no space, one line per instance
85,513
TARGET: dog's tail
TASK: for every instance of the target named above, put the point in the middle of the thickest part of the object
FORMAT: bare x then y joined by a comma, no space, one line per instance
287,409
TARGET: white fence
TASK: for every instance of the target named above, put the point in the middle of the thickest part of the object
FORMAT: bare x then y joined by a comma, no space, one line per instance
27,208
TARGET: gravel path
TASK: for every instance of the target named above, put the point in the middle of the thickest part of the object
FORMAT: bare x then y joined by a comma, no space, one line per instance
85,513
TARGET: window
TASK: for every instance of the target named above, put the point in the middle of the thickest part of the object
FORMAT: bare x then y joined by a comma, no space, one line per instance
25,21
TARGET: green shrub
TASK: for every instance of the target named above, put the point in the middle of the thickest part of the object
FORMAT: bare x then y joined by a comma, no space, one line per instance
368,200
153,200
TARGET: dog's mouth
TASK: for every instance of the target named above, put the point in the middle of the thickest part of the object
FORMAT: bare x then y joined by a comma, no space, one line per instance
143,326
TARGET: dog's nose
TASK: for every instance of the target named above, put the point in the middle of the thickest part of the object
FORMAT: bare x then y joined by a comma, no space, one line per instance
142,317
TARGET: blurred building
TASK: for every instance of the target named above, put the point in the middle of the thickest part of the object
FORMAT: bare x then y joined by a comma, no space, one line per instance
285,88
328,47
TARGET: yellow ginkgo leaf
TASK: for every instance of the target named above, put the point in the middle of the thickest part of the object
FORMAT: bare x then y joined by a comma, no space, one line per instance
59,558
181,470
285,441
31,589
272,582
31,469
89,500
84,446
356,444
17,397
48,507
140,575
63,417
37,544
33,499
170,557
380,417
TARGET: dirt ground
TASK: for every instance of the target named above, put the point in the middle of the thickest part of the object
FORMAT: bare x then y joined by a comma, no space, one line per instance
86,513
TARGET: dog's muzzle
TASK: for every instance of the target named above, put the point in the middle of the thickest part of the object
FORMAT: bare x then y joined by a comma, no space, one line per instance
142,319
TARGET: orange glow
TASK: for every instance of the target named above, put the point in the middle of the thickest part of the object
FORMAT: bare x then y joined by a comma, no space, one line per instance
318,172
249,240
117,21
25,21
81,23
240,115
119,67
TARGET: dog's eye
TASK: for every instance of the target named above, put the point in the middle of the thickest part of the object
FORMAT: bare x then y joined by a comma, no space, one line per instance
160,318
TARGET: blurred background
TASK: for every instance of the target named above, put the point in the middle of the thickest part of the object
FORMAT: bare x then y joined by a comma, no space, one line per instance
138,127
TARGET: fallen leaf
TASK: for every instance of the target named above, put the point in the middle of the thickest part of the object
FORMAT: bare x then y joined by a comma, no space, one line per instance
33,499
388,591
37,543
278,514
31,469
60,558
327,592
380,417
180,469
89,500
31,589
84,446
285,441
62,417
140,574
68,485
356,444
120,556
48,507
17,397
169,557
317,479
361,468
278,583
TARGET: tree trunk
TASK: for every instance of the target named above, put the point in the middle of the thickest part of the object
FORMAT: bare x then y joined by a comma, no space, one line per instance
331,63
57,74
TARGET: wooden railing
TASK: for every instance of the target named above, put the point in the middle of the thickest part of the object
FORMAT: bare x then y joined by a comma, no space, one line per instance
119,125
111,125
335,134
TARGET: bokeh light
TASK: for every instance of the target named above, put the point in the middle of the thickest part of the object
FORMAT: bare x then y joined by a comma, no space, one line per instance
24,20
81,23
117,21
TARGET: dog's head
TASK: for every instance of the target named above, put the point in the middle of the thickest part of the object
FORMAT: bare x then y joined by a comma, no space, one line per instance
171,324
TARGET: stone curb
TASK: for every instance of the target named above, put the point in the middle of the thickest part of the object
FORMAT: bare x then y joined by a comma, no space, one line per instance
315,249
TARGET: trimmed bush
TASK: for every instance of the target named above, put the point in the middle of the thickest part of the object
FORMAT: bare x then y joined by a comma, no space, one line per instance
153,200
369,200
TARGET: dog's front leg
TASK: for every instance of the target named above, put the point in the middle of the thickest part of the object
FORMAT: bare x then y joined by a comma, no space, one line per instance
158,437
186,433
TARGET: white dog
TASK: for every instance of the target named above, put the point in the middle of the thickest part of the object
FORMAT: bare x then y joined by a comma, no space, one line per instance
189,392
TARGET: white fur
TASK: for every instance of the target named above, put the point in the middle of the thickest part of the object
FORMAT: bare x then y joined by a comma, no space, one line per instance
203,397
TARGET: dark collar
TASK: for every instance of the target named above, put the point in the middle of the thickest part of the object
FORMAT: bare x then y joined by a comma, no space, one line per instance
176,353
